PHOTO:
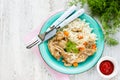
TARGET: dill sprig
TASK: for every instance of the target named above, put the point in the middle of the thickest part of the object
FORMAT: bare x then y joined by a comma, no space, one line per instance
108,12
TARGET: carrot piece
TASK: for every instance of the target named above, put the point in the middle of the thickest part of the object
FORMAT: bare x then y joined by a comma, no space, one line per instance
81,48
66,33
85,43
75,64
94,46
80,37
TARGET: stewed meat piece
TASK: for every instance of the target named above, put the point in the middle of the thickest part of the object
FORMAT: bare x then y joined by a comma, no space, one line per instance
81,58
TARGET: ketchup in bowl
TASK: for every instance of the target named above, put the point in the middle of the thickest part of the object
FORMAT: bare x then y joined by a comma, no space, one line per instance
106,67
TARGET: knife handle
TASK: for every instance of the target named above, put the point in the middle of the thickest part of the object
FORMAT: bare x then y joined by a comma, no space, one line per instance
64,15
71,18
34,42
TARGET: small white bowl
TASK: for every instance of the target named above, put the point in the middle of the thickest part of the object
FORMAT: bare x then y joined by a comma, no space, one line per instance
115,67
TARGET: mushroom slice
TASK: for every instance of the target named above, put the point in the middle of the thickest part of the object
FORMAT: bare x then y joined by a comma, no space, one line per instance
89,44
62,43
59,35
67,64
88,52
69,57
81,58
53,50
60,49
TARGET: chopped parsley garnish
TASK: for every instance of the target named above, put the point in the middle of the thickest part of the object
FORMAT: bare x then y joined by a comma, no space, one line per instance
71,47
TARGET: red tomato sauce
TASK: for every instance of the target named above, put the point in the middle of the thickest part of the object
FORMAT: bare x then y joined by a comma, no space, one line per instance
106,67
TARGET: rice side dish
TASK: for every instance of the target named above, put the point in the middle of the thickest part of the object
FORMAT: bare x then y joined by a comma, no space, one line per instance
74,43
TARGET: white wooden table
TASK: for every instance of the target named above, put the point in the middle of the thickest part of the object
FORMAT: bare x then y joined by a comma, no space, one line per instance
19,17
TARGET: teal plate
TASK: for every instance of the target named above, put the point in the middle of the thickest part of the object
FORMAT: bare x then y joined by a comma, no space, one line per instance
82,67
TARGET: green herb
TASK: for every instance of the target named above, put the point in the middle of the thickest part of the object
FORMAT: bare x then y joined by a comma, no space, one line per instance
111,41
108,12
75,2
71,47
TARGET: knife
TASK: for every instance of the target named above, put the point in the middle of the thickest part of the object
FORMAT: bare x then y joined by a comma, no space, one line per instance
50,33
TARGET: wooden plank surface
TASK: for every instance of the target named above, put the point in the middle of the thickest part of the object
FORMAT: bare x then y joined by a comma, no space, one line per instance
18,18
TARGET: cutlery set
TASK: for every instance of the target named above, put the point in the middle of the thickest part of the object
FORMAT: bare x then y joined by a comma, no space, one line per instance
69,15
